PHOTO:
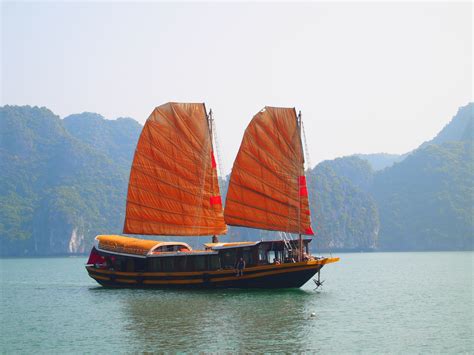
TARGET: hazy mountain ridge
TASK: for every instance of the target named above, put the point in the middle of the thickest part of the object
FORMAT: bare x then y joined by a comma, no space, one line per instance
380,161
344,215
460,128
425,201
64,181
114,138
56,191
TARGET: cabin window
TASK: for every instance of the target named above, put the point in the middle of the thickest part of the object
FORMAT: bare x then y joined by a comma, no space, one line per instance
271,256
180,263
154,264
247,255
130,265
140,265
214,262
119,263
167,264
228,259
262,253
196,263
199,263
171,248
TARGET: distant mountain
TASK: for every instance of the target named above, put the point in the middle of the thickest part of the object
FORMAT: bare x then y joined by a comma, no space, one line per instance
344,215
380,161
65,181
358,171
56,190
426,201
114,138
460,128
424,198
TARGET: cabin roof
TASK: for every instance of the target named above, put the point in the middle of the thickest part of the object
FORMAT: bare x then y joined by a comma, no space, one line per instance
128,245
216,246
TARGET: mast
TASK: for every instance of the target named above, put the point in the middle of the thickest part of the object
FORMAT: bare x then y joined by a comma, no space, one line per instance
300,239
210,122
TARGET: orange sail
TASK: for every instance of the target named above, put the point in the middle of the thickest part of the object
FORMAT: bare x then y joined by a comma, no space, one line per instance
267,188
173,187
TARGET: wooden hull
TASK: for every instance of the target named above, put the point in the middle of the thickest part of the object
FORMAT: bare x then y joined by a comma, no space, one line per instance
291,275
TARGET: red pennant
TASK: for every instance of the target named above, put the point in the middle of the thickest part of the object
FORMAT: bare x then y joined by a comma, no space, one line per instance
302,180
216,200
303,191
214,165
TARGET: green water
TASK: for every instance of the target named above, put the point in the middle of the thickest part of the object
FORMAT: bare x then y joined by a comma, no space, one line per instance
370,303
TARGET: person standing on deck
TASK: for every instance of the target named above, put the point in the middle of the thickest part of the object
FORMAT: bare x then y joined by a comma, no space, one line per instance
240,267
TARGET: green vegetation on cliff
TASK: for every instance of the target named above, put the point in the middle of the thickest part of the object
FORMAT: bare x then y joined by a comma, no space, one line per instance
56,191
65,181
426,201
344,215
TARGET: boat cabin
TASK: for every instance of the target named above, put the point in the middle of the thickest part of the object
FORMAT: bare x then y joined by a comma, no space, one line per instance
140,255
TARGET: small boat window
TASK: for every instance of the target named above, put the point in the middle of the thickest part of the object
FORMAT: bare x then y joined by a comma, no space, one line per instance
154,264
170,249
271,256
167,264
130,265
179,263
248,257
199,262
214,262
228,259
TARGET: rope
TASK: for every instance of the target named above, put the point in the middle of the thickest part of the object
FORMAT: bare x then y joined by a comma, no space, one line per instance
306,150
220,162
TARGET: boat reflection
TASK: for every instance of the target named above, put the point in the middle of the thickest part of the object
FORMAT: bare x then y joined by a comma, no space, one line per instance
227,320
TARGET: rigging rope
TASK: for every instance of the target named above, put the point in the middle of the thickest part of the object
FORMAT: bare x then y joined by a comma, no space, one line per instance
306,150
221,178
220,163
308,170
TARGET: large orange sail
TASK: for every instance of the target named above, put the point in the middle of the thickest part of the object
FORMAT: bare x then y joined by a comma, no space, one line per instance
173,187
267,188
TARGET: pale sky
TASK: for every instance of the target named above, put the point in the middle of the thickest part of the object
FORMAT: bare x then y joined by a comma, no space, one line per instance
368,77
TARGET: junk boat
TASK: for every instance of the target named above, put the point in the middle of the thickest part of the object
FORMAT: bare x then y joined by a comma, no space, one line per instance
173,191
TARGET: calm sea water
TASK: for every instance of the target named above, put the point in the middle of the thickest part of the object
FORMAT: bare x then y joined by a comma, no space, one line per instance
370,303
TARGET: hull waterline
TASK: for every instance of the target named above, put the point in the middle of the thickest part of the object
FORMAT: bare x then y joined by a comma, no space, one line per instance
292,275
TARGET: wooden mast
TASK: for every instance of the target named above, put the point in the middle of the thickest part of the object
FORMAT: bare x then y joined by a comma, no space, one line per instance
210,122
300,239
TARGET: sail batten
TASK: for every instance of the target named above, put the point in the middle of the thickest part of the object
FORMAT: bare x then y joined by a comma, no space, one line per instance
176,181
172,205
184,153
258,209
173,187
267,188
283,198
281,185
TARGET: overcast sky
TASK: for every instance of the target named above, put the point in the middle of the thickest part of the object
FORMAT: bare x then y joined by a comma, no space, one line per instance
368,77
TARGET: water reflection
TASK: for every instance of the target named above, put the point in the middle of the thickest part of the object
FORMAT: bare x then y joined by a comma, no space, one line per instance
228,320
